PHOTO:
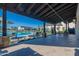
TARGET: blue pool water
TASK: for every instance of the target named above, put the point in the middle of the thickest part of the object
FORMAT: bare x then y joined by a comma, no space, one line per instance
19,34
23,34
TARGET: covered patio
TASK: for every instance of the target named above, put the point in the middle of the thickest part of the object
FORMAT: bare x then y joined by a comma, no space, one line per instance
55,44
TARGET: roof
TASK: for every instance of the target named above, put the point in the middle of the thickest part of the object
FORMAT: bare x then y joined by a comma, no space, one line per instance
50,12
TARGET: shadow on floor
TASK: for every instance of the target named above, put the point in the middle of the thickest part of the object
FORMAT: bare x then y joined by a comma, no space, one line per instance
63,41
24,52
2,52
76,52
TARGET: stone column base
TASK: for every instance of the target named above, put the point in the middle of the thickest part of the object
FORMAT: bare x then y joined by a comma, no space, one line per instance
6,41
1,42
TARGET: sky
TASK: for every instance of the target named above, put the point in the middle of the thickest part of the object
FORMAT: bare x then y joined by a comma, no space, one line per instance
20,20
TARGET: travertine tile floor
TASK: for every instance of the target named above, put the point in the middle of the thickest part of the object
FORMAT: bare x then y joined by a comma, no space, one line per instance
45,47
44,50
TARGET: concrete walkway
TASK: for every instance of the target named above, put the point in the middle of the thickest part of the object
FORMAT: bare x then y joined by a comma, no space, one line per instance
51,46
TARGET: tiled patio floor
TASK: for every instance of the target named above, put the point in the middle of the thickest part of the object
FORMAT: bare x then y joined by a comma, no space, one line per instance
58,45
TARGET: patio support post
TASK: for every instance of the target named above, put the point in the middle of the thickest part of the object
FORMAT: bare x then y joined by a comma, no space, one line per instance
52,30
77,22
4,21
44,30
4,27
66,27
55,29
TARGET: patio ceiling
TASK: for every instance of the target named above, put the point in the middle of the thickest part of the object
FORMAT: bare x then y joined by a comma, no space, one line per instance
52,12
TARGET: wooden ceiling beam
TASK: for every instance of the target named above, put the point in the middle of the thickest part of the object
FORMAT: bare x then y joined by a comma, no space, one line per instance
39,8
52,13
28,11
59,11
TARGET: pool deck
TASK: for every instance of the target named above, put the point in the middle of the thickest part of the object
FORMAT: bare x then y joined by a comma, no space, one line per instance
55,45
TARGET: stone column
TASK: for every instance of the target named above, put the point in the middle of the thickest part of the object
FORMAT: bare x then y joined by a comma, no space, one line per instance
54,29
52,32
77,23
5,39
67,25
44,30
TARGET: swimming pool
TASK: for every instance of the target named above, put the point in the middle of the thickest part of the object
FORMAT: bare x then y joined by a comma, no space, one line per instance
23,34
19,34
